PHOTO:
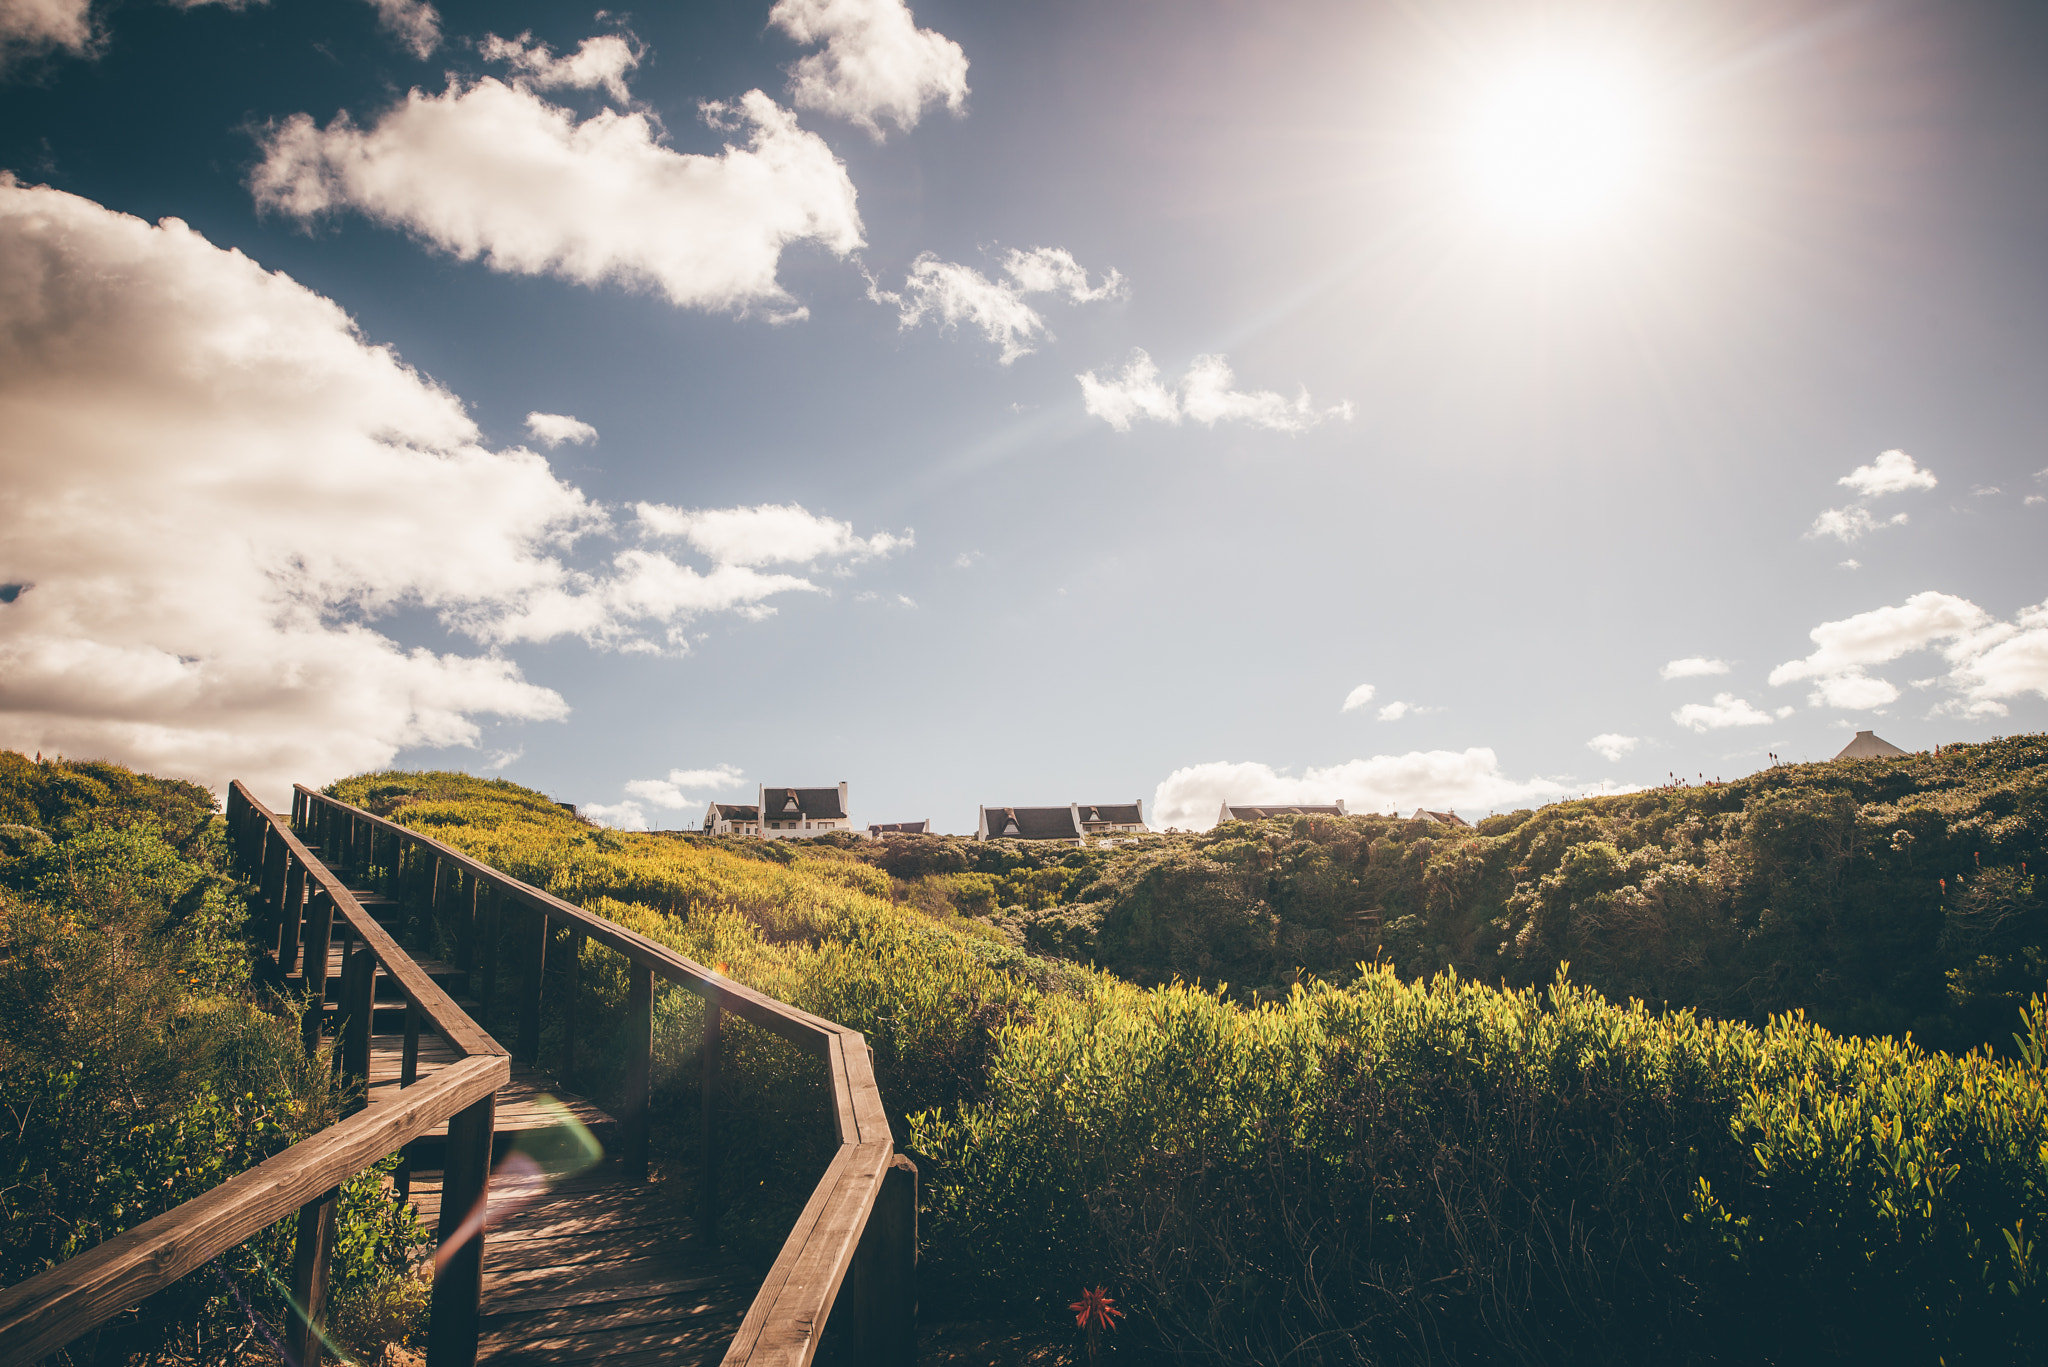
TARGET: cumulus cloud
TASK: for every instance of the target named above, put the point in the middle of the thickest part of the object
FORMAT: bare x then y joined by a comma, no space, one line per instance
492,171
1470,780
1894,472
1724,711
600,63
1204,393
414,23
773,533
877,63
1394,711
1850,524
32,28
1358,697
1611,746
1989,661
1692,667
620,816
552,429
669,792
214,486
954,294
1891,473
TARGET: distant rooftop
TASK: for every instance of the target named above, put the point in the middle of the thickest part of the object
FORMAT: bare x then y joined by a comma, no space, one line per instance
1870,745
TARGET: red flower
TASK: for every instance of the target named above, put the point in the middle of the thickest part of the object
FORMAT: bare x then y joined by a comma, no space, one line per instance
1096,1310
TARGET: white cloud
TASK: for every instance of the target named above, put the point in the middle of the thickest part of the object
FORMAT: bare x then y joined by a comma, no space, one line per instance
492,171
1725,710
621,816
1692,667
30,28
414,23
1611,746
877,63
769,534
552,429
955,294
1853,691
1357,698
213,486
2032,499
1849,564
1850,523
1469,780
1394,711
965,560
668,792
1891,473
1883,635
1989,660
600,63
1204,394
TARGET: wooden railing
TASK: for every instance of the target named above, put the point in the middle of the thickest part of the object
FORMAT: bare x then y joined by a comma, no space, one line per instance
304,902
858,1232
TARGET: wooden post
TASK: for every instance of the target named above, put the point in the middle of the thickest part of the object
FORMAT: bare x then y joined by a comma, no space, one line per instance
233,811
709,1151
358,1000
455,1317
319,932
310,1254
487,950
466,911
879,1298
408,1073
573,1000
535,956
288,931
639,1067
437,900
270,886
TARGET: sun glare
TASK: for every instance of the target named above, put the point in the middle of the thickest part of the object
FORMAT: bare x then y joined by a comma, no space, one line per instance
1555,142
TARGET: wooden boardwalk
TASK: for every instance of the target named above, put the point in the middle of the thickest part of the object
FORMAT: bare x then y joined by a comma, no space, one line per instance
582,1268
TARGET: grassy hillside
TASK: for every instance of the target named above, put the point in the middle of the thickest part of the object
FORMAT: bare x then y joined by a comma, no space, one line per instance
1378,1171
1877,896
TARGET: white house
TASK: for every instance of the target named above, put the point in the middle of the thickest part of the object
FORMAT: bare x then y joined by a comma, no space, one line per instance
732,818
1439,818
924,827
793,813
1074,822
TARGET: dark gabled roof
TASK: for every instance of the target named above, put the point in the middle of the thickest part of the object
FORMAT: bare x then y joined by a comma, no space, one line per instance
812,804
902,827
1113,813
731,811
1032,823
1261,813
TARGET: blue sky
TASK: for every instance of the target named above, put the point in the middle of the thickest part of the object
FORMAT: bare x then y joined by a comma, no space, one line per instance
1021,404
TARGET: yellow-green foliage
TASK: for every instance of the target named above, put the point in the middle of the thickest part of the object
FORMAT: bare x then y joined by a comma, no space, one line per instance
1385,1171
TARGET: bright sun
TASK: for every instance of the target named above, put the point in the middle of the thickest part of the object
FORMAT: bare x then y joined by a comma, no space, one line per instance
1556,142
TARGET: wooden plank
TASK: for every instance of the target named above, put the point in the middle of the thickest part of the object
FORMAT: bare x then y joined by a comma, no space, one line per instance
42,1314
453,1317
312,1247
778,1278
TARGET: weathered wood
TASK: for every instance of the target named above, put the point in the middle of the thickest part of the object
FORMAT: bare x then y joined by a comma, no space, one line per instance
639,1068
408,1073
572,996
710,1146
875,1321
289,924
534,958
312,1249
358,1001
488,911
454,1316
52,1308
465,926
319,932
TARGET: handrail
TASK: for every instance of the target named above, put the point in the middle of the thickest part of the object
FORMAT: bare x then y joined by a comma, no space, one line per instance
836,1234
62,1304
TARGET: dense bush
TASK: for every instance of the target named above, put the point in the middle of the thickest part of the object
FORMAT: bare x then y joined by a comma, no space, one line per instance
139,1066
1378,1171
